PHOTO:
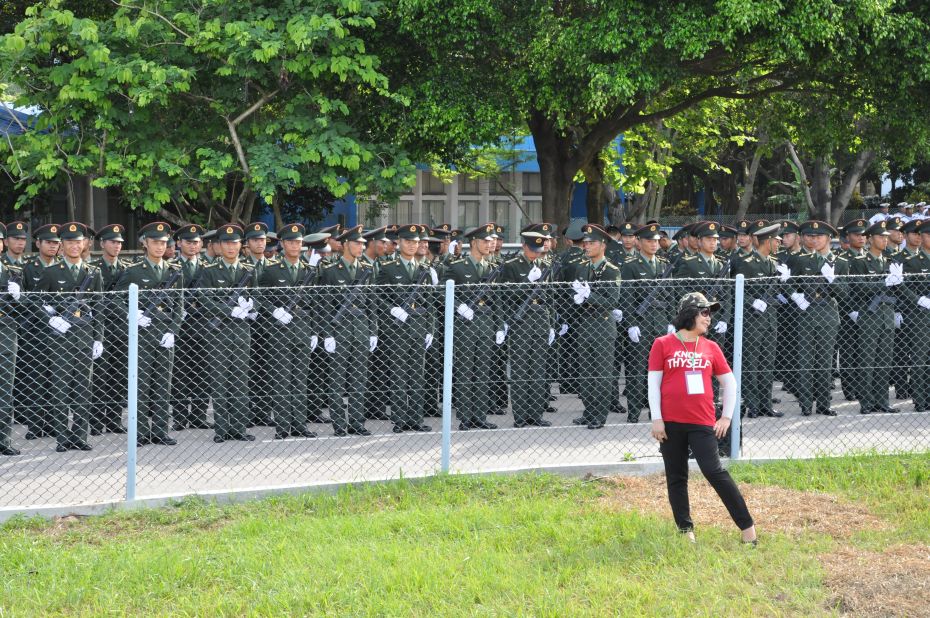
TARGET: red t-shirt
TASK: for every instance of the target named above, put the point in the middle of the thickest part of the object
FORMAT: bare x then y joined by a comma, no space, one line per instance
673,358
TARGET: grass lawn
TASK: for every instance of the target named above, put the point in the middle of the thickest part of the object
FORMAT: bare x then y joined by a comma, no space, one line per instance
533,545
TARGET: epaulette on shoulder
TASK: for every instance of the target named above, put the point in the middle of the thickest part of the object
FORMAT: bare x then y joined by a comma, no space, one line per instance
513,259
174,266
631,258
688,258
388,262
247,266
328,265
458,260
273,262
211,265
859,257
610,264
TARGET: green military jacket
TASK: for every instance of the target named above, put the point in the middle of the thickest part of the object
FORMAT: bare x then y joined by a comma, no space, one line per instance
916,281
644,302
527,298
807,278
63,293
219,290
414,294
716,271
355,307
111,274
867,288
289,290
10,309
161,296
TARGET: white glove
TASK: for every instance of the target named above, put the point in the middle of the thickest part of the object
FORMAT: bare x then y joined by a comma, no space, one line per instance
579,298
96,351
670,329
433,276
253,316
563,330
184,314
891,280
720,328
897,270
633,333
500,335
576,285
372,343
49,309
585,289
14,290
551,335
59,323
760,305
452,246
800,301
144,320
924,302
281,315
167,340
617,315
781,298
399,313
429,340
239,312
783,271
828,272
329,344
314,258
314,341
465,311
534,274
898,320
854,316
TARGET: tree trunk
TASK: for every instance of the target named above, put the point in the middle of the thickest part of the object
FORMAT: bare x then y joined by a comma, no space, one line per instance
845,191
802,173
70,193
594,203
745,199
821,191
555,173
276,208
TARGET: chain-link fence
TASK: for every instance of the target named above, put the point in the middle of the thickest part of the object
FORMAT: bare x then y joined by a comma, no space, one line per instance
249,387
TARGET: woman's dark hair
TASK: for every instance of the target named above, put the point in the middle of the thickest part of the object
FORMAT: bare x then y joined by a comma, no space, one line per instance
686,317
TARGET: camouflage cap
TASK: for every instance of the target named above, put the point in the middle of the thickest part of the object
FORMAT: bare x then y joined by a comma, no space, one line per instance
696,299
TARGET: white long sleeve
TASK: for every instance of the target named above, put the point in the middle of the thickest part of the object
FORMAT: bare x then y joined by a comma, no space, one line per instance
728,393
655,395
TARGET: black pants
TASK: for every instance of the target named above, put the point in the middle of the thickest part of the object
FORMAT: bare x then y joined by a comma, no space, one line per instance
703,444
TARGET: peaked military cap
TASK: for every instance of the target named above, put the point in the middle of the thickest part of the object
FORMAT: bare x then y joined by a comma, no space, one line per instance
375,234
499,230
744,226
411,231
879,228
256,230
352,234
764,232
706,229
817,228
333,230
390,232
292,231
230,231
591,231
443,230
757,225
482,232
191,231
789,227
894,223
456,233
316,240
913,226
534,240
157,230
74,230
698,300
112,232
424,232
682,231
16,229
650,231
209,236
884,205
49,231
857,226
628,229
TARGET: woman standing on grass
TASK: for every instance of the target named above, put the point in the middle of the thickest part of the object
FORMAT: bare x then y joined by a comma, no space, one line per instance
681,403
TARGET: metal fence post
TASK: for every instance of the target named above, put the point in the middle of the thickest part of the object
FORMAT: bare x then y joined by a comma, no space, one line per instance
447,375
737,364
132,392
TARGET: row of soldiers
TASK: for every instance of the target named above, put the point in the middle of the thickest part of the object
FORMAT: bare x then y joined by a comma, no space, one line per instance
579,317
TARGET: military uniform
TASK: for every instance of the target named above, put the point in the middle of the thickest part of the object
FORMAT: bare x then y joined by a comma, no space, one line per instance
846,341
10,298
700,266
161,306
260,399
915,294
317,395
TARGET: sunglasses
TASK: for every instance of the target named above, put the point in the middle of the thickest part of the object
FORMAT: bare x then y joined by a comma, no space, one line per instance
705,312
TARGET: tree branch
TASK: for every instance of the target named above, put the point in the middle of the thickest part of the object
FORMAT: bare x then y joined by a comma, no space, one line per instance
153,14
803,174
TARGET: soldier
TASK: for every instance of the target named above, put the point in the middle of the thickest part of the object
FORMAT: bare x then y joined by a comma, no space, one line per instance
286,297
317,398
210,249
895,238
333,245
873,301
16,240
915,294
743,238
705,265
407,316
474,330
161,309
349,326
817,296
256,241
647,310
760,321
390,234
190,397
67,292
36,361
109,394
226,298
727,242
847,343
376,245
597,295
524,316
377,388
10,282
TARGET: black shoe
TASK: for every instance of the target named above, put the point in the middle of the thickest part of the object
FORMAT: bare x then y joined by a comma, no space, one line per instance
580,421
34,435
359,432
889,410
484,425
61,448
8,451
618,408
422,428
178,426
219,439
595,425
319,418
533,423
773,413
164,441
865,410
339,433
80,446
553,398
143,441
752,414
246,437
117,429
463,426
550,409
776,400
399,429
807,412
201,426
632,419
96,431
281,435
303,432
827,412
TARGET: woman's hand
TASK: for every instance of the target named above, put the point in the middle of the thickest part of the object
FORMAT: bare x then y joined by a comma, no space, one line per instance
658,430
721,426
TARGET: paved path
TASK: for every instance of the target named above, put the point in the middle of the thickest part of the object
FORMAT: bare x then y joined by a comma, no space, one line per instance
42,477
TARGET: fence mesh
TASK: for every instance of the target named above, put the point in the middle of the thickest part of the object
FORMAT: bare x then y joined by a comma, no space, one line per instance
275,386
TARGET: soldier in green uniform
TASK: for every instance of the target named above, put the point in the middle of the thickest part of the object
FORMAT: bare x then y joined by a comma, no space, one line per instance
474,330
226,296
407,318
10,297
190,387
161,309
743,238
907,337
570,258
817,289
727,242
109,393
646,309
260,397
286,297
596,293
69,295
334,248
873,298
15,241
377,388
846,341
760,320
915,294
37,363
787,349
317,397
349,326
705,265
524,318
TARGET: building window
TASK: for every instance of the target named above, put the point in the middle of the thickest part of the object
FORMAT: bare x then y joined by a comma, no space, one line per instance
500,214
533,209
433,212
467,215
532,185
469,186
404,212
432,185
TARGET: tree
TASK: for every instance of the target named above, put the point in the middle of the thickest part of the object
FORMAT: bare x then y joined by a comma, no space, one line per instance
197,109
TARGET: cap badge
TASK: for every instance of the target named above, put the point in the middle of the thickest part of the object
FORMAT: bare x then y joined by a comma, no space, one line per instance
229,230
53,230
72,228
815,225
193,229
293,228
712,227
160,227
116,229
